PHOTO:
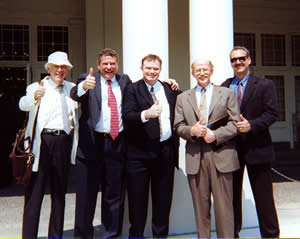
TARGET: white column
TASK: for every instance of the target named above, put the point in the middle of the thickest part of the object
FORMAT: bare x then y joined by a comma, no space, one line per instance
211,36
145,31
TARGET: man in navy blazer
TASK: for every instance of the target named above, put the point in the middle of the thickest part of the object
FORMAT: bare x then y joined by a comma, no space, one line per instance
258,108
101,157
152,152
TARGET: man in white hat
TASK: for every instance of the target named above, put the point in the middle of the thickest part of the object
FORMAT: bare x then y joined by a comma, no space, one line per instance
54,144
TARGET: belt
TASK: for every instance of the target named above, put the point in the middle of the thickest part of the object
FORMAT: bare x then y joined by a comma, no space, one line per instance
107,135
54,131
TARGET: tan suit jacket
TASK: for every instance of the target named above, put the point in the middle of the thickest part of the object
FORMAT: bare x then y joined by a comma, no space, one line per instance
223,103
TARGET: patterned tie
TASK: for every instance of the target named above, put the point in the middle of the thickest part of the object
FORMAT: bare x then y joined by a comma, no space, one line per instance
154,100
65,112
203,108
152,94
114,118
240,92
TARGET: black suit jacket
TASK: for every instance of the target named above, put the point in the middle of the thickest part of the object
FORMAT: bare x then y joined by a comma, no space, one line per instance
259,107
91,109
144,138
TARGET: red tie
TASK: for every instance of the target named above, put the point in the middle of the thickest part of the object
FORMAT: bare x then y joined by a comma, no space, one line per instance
114,119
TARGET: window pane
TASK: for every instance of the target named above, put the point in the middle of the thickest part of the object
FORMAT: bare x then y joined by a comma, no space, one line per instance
50,39
273,50
247,40
279,84
296,50
14,43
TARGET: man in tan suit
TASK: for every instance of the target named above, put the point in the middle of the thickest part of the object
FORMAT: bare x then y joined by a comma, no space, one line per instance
206,120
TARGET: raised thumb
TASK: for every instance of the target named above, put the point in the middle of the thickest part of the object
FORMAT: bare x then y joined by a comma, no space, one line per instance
91,73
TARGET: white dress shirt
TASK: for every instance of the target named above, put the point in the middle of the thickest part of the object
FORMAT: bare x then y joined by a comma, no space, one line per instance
164,118
54,118
103,125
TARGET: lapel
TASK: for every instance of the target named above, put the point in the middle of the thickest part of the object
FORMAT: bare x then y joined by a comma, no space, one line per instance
193,101
121,83
168,93
98,87
250,87
215,98
144,92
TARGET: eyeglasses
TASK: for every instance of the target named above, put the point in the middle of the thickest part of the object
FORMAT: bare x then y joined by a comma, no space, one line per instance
241,59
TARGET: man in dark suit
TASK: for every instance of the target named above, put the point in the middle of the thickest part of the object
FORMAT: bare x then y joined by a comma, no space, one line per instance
205,117
101,150
258,106
148,110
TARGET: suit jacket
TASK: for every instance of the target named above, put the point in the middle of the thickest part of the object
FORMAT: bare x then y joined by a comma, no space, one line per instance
91,110
144,138
27,103
223,104
259,107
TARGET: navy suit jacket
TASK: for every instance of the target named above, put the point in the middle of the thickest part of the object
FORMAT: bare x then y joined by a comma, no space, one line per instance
144,138
259,107
91,109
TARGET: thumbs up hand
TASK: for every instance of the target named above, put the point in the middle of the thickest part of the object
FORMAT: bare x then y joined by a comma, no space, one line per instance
243,126
154,111
40,91
90,81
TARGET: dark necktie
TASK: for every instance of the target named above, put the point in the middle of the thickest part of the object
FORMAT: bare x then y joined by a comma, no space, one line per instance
65,112
203,107
240,92
154,100
114,118
152,94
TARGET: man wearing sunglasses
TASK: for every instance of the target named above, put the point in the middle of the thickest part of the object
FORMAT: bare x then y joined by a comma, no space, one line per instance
258,106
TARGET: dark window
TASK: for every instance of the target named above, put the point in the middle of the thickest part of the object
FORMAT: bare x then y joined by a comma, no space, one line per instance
279,84
297,95
51,39
273,50
247,40
14,43
296,50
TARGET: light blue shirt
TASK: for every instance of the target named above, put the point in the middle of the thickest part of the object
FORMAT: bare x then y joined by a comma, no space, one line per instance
235,84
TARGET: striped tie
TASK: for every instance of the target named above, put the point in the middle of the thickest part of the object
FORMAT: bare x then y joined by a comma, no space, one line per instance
240,92
65,113
114,118
203,108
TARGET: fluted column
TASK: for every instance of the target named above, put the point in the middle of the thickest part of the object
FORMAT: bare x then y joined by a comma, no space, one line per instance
145,30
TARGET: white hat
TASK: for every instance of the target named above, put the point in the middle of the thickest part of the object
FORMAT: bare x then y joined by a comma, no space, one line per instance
58,58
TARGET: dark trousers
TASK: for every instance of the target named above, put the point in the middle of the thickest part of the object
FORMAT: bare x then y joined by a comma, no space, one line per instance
261,184
160,172
108,172
54,163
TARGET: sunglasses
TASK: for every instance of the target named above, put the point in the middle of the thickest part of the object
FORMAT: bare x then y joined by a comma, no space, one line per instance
241,59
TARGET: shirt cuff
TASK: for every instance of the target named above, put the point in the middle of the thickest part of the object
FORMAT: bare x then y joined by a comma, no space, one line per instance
80,90
143,117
